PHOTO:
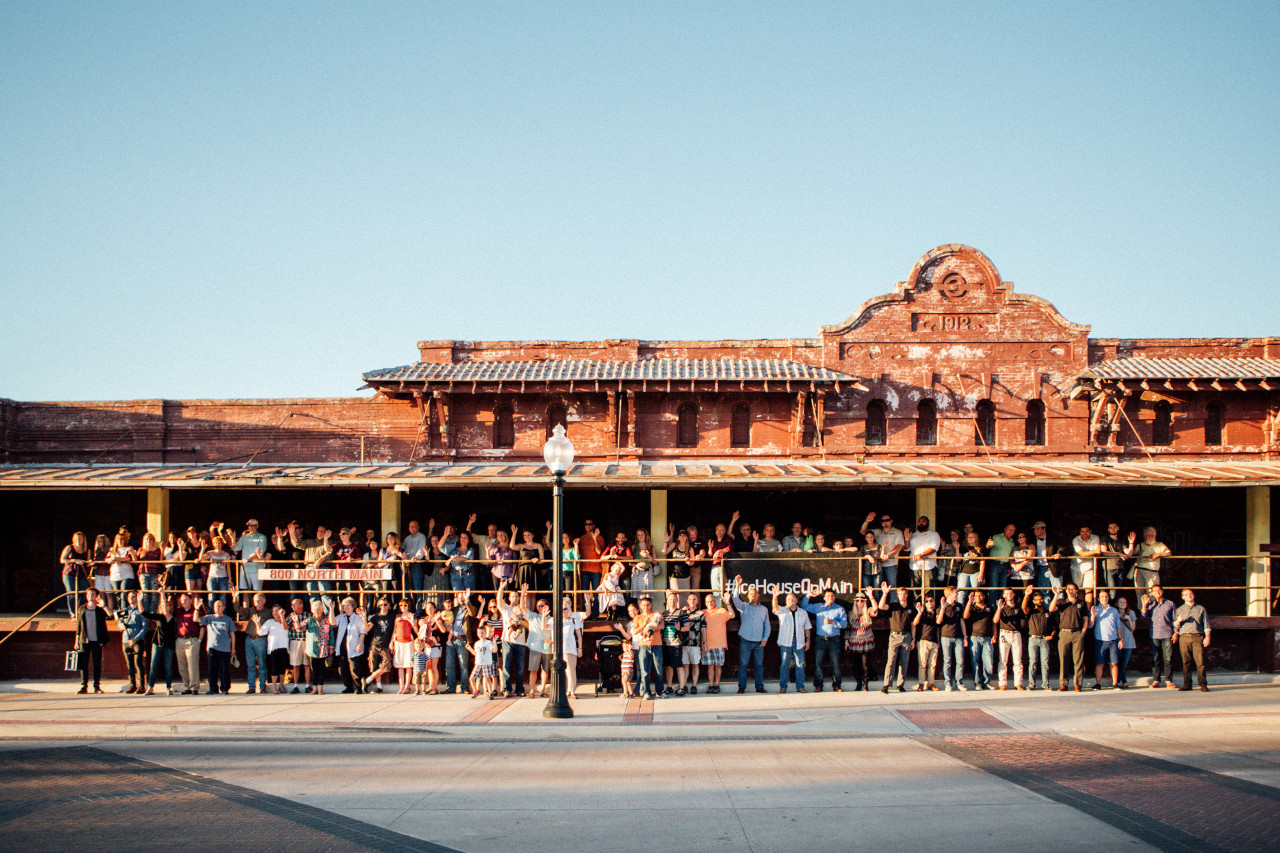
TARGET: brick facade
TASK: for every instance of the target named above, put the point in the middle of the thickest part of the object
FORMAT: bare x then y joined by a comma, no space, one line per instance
954,335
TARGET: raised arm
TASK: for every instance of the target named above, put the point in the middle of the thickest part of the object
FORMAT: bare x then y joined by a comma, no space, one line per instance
871,516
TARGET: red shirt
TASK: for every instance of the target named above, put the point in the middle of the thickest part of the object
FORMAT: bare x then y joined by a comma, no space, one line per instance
589,547
188,622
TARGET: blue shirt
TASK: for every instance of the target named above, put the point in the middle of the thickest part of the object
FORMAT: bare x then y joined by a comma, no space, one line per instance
133,625
249,545
754,627
1106,623
1161,618
221,629
838,615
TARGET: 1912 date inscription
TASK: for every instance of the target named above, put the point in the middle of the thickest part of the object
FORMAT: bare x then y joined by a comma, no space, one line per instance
953,322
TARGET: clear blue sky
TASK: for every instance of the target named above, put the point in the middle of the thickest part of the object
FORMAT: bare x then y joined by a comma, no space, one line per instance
240,200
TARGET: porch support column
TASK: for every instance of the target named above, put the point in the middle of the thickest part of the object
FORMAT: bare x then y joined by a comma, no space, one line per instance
158,513
927,504
658,532
1257,532
390,513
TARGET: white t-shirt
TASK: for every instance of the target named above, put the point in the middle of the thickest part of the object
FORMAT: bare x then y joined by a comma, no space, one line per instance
921,542
886,540
1084,565
217,563
122,571
277,636
484,653
510,616
539,632
572,625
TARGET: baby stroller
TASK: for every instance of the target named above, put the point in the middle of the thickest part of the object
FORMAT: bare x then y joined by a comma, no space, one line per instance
609,664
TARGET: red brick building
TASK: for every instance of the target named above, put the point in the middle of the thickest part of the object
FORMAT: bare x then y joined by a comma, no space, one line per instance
954,396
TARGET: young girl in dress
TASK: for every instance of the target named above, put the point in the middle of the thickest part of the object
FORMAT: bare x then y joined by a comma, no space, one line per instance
402,645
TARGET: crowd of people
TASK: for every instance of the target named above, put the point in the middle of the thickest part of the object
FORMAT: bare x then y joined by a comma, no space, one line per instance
487,618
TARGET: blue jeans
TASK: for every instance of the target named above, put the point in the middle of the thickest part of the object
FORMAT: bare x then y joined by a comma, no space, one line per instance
789,656
457,664
75,586
870,579
997,575
1125,654
980,652
650,666
953,661
317,591
463,581
255,660
222,585
890,574
165,660
417,583
964,581
150,600
1038,652
753,653
513,664
827,648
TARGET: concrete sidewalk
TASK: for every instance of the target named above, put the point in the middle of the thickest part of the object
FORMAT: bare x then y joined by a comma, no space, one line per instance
52,710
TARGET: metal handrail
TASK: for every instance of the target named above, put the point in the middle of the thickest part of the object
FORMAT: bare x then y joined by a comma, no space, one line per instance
32,617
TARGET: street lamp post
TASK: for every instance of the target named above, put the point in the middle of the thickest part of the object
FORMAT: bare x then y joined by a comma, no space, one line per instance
558,454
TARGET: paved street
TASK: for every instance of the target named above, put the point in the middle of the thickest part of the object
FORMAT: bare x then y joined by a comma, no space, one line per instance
1135,770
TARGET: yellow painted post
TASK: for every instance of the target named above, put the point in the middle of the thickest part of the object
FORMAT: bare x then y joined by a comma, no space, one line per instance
158,513
391,524
927,504
1257,532
658,533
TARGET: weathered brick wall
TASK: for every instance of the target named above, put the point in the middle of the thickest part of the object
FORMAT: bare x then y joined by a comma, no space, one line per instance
954,333
209,431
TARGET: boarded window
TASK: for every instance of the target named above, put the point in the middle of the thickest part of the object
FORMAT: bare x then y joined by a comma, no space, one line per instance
740,426
927,423
687,425
985,431
504,428
1162,425
1035,423
556,414
1213,417
875,422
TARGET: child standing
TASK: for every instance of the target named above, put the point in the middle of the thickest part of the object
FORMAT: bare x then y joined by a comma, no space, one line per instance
482,676
420,658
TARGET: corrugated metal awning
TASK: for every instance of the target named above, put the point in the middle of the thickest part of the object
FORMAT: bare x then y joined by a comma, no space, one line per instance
1184,368
587,370
664,473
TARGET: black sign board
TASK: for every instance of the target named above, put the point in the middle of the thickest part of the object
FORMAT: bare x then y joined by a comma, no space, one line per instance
801,573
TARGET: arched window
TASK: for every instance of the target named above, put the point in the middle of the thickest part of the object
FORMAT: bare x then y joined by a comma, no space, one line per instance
556,414
927,423
504,428
985,432
740,426
687,425
1162,426
1213,417
1035,422
875,422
